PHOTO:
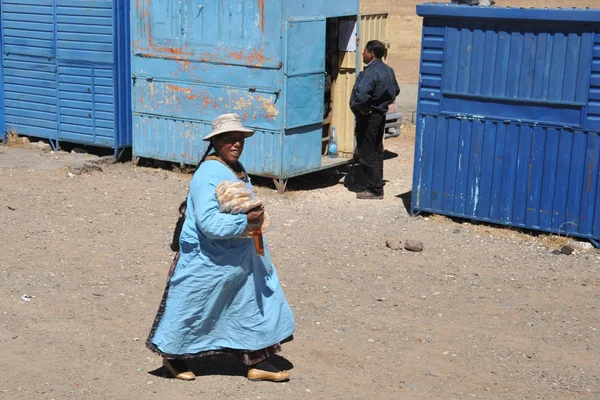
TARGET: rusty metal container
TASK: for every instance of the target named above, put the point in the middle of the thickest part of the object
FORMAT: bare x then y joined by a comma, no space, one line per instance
192,61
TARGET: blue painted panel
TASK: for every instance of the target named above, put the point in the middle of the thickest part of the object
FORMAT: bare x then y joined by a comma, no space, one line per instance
507,109
67,74
202,102
123,112
509,123
30,96
432,51
86,103
302,150
302,108
84,30
28,27
300,8
593,109
217,31
184,143
305,71
539,65
305,46
467,14
269,80
2,130
508,173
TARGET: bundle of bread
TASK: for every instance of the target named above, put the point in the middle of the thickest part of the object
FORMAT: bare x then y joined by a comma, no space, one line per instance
237,198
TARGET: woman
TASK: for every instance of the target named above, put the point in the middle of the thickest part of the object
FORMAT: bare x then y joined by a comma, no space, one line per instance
221,295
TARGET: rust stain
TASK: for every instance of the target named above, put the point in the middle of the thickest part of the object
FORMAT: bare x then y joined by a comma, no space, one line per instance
245,116
590,174
243,103
147,26
271,111
179,89
256,57
261,6
185,66
238,55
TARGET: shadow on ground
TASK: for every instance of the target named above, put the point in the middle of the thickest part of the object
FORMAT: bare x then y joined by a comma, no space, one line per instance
221,365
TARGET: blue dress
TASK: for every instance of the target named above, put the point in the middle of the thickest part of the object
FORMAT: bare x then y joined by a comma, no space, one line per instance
221,295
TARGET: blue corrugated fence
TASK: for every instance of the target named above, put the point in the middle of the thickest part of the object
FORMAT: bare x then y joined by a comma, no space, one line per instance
508,126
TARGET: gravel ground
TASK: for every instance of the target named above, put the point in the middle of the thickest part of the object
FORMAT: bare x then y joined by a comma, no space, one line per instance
482,312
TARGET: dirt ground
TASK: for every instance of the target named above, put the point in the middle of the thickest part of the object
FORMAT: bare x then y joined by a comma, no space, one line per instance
482,312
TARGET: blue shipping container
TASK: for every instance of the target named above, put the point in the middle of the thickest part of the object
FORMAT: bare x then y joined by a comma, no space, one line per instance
265,60
66,70
509,117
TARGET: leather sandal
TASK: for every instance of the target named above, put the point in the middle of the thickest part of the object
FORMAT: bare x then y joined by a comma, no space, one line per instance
255,375
183,375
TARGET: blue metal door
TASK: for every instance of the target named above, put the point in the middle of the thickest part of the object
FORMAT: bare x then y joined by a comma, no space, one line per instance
508,122
85,54
61,79
304,71
29,67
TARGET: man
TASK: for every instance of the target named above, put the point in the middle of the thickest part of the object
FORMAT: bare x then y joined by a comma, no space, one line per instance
375,89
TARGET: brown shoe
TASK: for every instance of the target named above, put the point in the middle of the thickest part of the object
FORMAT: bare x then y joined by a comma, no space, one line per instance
186,375
366,195
255,374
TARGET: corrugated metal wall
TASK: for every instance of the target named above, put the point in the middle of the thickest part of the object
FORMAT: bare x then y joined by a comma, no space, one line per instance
372,27
593,110
509,173
2,131
30,86
265,62
507,129
65,64
182,80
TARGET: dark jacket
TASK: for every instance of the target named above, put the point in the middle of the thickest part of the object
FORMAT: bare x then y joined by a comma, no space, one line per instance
375,88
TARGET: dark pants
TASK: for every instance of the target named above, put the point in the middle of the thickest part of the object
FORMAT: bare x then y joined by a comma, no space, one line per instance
369,144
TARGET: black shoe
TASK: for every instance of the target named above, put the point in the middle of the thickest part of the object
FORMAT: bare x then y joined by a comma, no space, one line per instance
366,195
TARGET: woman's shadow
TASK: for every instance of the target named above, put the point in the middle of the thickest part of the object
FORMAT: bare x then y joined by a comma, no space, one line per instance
221,365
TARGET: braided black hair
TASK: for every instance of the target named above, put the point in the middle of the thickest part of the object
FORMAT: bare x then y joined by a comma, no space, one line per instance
183,206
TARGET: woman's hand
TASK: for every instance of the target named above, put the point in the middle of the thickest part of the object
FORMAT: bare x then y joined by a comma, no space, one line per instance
255,216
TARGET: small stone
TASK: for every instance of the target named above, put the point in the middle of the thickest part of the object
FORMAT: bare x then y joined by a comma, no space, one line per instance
566,250
106,160
25,141
456,231
584,245
556,252
42,146
413,245
393,243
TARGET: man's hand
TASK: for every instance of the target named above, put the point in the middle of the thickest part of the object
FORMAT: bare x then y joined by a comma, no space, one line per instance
365,112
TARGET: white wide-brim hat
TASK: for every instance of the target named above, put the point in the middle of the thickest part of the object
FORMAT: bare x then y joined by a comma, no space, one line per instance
228,123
